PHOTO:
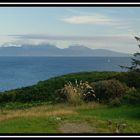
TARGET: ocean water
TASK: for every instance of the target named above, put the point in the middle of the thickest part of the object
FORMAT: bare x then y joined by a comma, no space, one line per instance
16,72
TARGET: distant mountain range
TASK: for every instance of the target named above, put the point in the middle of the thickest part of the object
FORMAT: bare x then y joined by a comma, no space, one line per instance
51,50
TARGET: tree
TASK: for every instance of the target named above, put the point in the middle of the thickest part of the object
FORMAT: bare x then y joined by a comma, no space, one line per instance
135,64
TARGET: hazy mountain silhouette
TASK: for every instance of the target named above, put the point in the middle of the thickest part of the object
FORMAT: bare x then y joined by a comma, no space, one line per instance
51,50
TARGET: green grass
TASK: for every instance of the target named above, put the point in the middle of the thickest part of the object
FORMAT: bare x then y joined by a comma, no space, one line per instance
29,125
94,115
98,117
125,112
32,109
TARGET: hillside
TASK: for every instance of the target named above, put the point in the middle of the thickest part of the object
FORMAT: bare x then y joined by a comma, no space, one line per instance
47,90
44,108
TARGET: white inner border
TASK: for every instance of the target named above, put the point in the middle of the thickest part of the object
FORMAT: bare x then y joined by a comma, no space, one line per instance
67,3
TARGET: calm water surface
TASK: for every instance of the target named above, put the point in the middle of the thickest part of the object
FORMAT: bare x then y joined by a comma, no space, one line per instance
18,72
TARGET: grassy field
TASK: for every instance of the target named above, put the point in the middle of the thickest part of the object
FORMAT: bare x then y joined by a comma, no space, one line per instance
42,108
64,118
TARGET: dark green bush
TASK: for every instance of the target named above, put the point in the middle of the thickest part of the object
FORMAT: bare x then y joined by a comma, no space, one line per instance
132,78
115,102
132,96
4,97
19,105
107,90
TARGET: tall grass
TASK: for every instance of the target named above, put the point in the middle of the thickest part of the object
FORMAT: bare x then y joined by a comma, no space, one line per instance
78,92
73,93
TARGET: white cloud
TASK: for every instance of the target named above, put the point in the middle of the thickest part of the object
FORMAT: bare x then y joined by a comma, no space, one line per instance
123,43
88,19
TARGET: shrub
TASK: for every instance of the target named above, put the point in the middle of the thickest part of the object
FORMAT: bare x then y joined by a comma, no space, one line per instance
107,90
19,105
132,96
115,102
132,78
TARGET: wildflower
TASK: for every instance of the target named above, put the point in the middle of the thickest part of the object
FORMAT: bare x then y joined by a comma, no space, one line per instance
58,118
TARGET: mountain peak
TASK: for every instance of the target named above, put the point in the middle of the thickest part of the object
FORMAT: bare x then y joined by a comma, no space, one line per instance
78,47
52,50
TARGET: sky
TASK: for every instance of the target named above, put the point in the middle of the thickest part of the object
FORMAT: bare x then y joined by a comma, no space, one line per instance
110,28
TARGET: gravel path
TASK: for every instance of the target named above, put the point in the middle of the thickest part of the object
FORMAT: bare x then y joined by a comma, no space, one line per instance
76,128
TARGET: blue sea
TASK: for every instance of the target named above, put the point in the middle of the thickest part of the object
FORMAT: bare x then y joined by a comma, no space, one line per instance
16,72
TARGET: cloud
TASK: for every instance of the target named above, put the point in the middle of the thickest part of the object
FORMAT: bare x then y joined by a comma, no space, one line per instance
74,38
88,19
8,44
116,40
124,42
52,37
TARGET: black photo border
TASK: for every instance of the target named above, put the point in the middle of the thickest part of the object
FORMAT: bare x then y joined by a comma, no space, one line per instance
67,3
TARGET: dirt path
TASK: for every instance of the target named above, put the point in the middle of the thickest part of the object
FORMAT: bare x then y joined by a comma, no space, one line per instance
76,128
